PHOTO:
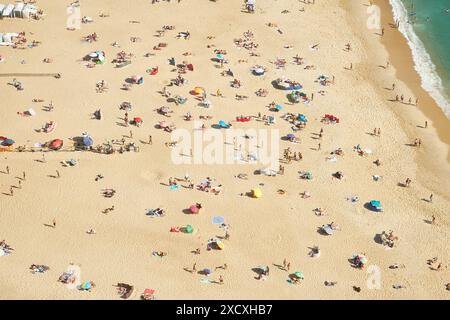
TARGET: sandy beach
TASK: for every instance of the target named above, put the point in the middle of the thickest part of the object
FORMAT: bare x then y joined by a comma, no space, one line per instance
46,215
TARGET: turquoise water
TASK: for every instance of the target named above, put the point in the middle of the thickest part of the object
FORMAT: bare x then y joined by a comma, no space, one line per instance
430,22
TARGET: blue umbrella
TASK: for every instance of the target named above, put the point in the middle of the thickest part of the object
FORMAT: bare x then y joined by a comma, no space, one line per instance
302,117
223,124
279,107
219,56
290,136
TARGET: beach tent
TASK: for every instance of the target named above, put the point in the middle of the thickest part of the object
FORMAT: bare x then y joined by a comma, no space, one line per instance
8,11
256,193
18,8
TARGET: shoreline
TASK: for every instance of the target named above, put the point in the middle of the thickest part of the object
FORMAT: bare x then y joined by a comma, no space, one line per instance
393,47
401,57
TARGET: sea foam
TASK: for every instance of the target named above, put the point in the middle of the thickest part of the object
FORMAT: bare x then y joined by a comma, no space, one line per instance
423,64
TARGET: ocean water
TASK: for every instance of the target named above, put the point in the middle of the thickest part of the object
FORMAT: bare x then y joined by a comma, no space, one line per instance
426,26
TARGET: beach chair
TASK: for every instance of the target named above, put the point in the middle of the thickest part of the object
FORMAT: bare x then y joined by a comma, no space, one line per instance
17,11
2,7
8,10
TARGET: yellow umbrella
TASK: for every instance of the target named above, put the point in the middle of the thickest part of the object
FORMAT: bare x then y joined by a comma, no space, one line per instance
256,193
199,90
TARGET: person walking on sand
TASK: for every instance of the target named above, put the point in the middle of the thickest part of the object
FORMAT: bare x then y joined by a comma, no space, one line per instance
319,147
431,198
57,174
131,134
433,219
7,169
54,223
288,266
220,279
426,124
11,191
194,267
23,176
150,140
284,263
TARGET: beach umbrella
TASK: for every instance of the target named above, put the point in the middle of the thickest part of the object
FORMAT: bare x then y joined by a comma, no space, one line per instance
8,142
256,193
31,112
327,229
302,117
189,229
137,120
93,55
56,144
375,203
86,285
149,291
207,271
163,124
87,140
194,208
165,109
220,245
3,138
219,56
259,71
199,90
218,220
223,124
290,136
299,275
279,107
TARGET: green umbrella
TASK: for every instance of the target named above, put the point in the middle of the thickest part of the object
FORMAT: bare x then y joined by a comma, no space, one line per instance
189,229
299,275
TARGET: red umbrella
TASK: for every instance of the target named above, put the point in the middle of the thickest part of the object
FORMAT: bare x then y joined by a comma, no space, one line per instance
194,208
137,120
149,291
56,144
